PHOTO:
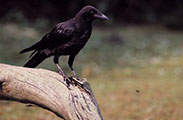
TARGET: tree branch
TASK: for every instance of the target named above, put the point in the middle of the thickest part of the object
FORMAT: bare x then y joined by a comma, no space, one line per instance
48,90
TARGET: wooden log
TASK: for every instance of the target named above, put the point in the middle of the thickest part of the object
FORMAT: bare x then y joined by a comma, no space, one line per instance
48,90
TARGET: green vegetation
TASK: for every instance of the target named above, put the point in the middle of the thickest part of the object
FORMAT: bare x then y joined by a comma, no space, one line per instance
136,72
161,12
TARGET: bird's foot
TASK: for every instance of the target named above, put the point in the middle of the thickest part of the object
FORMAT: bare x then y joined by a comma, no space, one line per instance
76,80
82,83
66,78
75,77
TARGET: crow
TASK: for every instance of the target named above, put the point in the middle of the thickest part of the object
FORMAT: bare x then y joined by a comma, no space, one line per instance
66,38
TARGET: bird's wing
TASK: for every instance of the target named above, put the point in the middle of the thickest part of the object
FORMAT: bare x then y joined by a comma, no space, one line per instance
59,35
62,33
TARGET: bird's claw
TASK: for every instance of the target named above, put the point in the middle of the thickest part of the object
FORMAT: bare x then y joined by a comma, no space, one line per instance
73,80
63,74
66,78
75,77
82,83
77,81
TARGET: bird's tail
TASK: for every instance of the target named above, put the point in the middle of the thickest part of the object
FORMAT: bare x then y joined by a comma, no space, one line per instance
28,49
36,60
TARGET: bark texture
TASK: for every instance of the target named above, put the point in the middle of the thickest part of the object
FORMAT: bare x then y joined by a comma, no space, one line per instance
48,90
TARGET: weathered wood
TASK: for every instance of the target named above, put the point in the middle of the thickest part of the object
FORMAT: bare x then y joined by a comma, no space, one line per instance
48,90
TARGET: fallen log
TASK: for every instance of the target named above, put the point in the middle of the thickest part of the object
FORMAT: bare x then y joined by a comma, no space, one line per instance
48,90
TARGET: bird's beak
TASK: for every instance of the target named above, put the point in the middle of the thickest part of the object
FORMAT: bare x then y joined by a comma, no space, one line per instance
101,16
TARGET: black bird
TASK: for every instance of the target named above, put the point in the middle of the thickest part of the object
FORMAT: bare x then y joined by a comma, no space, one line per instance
66,38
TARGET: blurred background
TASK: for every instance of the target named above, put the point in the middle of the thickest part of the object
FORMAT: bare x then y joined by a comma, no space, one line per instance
134,62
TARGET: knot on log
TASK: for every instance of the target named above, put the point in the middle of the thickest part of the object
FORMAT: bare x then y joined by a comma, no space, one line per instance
1,83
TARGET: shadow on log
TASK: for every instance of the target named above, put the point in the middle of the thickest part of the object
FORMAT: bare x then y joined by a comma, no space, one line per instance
48,90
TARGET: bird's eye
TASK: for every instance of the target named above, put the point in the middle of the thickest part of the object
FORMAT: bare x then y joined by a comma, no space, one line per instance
91,11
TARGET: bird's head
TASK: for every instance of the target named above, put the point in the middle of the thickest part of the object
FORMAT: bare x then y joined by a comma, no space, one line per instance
90,13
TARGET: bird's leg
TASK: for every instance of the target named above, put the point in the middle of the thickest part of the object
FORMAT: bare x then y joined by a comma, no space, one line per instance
70,62
75,77
59,68
61,71
74,73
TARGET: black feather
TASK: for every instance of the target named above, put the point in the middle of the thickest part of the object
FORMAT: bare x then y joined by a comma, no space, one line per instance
27,49
36,60
32,53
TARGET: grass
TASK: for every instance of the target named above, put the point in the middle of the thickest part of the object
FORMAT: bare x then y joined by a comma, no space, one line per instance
151,92
136,72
